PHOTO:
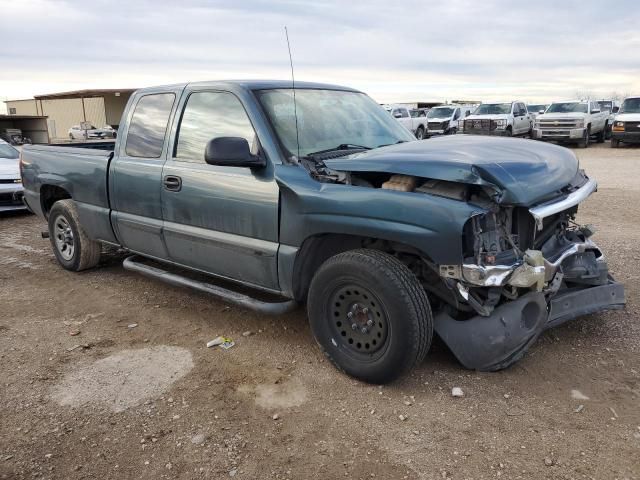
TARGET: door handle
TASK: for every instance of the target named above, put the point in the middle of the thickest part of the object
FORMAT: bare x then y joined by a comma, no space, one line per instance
172,183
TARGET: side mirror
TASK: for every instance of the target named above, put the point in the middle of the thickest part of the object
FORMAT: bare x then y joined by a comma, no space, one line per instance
231,152
397,115
541,112
615,109
595,111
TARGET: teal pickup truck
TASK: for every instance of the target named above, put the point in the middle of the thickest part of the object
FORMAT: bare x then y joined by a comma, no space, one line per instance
316,195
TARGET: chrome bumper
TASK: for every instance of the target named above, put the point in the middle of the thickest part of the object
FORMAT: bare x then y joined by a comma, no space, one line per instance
543,211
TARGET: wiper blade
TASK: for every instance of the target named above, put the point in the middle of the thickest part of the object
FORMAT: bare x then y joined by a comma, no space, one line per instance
342,146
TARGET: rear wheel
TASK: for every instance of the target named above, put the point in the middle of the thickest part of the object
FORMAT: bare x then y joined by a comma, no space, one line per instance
370,315
73,249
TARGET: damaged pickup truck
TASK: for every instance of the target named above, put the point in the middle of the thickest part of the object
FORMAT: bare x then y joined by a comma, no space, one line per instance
317,195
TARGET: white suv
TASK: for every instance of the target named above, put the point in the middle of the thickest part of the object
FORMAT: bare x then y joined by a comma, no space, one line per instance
499,118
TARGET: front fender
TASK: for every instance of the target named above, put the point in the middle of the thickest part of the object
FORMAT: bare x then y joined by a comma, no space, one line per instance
431,224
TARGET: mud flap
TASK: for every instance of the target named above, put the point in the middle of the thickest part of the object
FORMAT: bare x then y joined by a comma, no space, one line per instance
495,342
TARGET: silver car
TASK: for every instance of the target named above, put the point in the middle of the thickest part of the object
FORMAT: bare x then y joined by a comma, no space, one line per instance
11,191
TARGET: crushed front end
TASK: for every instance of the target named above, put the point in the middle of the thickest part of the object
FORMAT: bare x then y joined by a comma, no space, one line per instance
524,270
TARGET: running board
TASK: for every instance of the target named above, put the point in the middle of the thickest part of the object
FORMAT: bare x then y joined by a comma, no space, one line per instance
229,296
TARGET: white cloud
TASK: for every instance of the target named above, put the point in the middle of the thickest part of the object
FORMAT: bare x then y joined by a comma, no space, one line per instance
396,51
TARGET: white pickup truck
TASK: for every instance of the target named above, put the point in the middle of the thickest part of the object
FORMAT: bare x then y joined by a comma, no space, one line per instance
416,125
445,119
499,118
573,121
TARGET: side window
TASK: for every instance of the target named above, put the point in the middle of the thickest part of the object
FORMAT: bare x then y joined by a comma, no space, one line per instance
148,126
516,109
456,116
209,115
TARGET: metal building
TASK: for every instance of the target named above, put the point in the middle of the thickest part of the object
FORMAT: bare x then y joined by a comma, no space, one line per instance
65,109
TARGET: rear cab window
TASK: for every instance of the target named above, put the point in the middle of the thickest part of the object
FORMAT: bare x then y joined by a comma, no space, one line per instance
148,126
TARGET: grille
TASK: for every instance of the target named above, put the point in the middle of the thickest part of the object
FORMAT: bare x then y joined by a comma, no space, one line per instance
632,126
436,125
480,125
8,180
558,124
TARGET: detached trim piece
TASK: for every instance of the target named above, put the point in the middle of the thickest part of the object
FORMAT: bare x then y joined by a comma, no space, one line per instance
573,199
229,296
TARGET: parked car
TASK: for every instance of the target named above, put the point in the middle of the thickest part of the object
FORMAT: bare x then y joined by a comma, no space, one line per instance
536,109
443,120
11,190
573,121
387,239
499,118
78,132
14,136
626,125
415,124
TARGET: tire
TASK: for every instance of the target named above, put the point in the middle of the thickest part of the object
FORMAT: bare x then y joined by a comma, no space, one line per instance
420,133
584,143
378,294
615,143
601,136
73,249
71,137
508,132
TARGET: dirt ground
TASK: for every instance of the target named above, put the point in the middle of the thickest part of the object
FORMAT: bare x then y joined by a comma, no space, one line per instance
106,374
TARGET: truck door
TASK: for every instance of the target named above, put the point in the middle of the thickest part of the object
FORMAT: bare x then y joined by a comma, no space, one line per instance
136,174
218,219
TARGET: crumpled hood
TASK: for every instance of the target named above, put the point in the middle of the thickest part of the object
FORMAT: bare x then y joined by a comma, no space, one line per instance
9,168
525,171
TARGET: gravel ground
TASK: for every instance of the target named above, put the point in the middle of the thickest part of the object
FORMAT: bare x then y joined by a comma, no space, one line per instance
105,374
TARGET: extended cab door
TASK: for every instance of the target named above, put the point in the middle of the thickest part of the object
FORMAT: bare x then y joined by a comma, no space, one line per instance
218,219
135,175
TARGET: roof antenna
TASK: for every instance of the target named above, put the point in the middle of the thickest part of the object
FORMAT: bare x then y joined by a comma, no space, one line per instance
293,84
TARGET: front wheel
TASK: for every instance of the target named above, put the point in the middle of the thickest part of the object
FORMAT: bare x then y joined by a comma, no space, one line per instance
73,249
601,136
615,143
584,143
508,132
370,315
420,133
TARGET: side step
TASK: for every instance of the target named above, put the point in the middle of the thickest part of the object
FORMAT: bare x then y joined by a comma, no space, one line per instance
269,308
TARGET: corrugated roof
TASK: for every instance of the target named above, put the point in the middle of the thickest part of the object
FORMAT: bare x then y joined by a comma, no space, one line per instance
85,93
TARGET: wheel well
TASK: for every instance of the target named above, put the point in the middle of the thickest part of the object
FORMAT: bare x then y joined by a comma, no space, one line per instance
50,194
319,248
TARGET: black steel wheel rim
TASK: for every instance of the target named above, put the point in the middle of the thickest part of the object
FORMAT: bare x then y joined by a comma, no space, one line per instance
359,321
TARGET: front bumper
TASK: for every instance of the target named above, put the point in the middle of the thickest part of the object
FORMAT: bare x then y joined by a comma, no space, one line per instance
629,137
11,195
558,135
499,340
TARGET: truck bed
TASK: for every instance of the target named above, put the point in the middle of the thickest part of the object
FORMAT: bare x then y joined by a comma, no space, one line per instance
81,170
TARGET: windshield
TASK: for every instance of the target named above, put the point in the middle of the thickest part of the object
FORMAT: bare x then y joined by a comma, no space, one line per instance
536,108
631,105
7,151
329,118
440,112
493,109
569,107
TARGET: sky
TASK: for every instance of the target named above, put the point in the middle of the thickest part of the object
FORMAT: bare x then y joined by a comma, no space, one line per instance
396,51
